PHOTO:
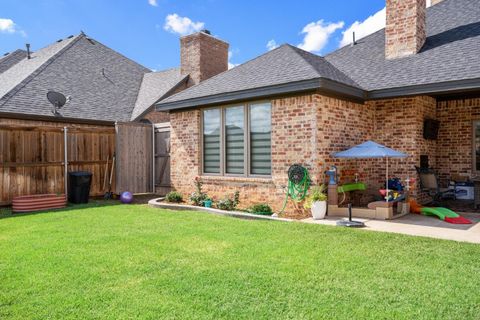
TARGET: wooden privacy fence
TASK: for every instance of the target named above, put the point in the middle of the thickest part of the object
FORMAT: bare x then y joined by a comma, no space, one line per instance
32,158
135,169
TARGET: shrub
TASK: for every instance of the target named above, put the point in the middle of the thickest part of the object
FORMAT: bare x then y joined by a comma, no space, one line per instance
174,196
317,194
198,197
228,203
262,209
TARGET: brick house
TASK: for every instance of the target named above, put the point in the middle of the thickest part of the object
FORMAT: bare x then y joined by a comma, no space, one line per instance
242,129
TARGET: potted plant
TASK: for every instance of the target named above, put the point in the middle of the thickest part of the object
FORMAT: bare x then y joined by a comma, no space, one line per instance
207,203
317,202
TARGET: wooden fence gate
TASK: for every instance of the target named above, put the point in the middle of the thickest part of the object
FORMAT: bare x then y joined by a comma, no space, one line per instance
162,158
134,157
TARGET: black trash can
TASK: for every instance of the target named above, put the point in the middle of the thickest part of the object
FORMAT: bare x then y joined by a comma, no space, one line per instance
79,186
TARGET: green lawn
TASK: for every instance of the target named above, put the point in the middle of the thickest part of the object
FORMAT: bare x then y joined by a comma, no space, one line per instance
124,262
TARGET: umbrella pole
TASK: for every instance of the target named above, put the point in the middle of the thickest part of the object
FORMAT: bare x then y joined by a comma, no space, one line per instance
386,180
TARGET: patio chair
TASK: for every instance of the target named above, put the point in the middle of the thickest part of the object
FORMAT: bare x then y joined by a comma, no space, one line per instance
429,184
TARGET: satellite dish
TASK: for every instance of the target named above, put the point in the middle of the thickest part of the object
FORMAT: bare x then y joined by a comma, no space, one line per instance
57,99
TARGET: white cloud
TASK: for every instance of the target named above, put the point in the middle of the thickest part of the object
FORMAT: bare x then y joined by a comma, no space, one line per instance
7,26
317,35
181,25
272,44
230,55
232,65
153,3
363,28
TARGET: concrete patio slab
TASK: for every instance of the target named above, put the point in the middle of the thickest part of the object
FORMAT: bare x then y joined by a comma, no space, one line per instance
419,225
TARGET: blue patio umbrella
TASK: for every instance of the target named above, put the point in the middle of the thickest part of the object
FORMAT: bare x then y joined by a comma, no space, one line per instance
371,150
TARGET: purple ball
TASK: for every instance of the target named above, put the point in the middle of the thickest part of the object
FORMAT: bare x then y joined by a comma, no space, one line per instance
126,197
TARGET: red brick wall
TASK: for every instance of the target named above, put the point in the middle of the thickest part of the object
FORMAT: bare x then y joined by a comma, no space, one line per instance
185,149
454,145
305,130
157,116
294,134
308,128
399,125
293,123
341,125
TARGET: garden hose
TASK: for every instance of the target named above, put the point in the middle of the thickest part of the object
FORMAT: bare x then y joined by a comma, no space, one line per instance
298,184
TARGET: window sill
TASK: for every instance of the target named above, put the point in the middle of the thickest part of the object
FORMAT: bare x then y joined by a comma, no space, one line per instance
207,179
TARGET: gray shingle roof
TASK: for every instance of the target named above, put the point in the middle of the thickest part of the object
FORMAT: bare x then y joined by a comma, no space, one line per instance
285,64
103,84
11,59
12,79
451,51
155,86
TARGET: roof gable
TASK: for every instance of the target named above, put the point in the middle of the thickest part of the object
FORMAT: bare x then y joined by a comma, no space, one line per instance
283,65
155,86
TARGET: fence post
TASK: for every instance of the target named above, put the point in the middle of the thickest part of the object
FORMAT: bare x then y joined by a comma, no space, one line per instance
117,176
153,157
65,149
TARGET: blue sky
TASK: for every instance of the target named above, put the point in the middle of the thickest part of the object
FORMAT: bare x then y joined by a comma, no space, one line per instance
147,31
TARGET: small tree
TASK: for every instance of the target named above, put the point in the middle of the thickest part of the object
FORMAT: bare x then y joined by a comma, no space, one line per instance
198,196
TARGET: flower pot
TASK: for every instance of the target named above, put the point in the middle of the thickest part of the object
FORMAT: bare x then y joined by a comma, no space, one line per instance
207,203
319,209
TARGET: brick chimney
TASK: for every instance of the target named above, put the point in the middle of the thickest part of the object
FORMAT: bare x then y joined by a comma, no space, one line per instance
202,56
405,30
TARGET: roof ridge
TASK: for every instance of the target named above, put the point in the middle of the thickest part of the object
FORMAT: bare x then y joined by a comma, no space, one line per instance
164,70
8,54
38,70
120,54
215,76
15,56
356,41
300,50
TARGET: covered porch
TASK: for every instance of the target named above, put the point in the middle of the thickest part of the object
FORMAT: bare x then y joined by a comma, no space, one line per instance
451,150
